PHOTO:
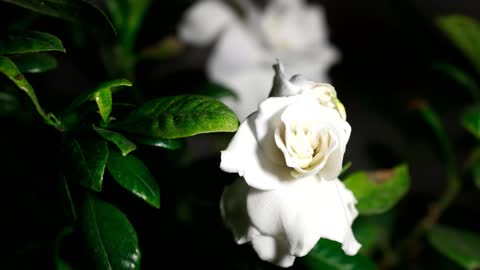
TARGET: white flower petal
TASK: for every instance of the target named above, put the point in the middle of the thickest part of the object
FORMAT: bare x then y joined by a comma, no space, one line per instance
303,212
252,87
204,21
267,120
314,64
273,250
244,156
233,206
237,51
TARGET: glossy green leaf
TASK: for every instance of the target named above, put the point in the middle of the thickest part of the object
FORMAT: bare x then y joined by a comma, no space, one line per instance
88,157
470,120
102,96
180,116
328,255
127,16
124,144
461,77
34,62
372,231
171,144
460,246
378,191
216,90
30,42
464,32
110,239
9,69
79,11
132,174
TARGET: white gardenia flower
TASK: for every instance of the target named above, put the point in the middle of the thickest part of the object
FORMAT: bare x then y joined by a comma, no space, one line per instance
290,154
246,44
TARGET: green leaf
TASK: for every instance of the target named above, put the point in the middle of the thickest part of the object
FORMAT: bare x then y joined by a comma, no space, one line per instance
132,174
88,156
127,16
30,42
460,246
35,62
125,145
461,77
102,96
470,120
79,11
170,144
378,191
328,255
216,91
110,239
9,69
180,116
372,231
464,32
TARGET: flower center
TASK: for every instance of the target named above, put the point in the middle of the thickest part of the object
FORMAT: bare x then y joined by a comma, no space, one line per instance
305,146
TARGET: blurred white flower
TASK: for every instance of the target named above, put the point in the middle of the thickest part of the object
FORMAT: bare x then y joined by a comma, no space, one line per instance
246,44
290,154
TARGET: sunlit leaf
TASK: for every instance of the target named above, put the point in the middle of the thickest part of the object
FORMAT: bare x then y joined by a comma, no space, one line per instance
180,116
111,241
458,245
9,69
102,96
378,191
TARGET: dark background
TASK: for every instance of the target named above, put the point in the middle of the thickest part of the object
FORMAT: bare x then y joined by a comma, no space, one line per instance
388,49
